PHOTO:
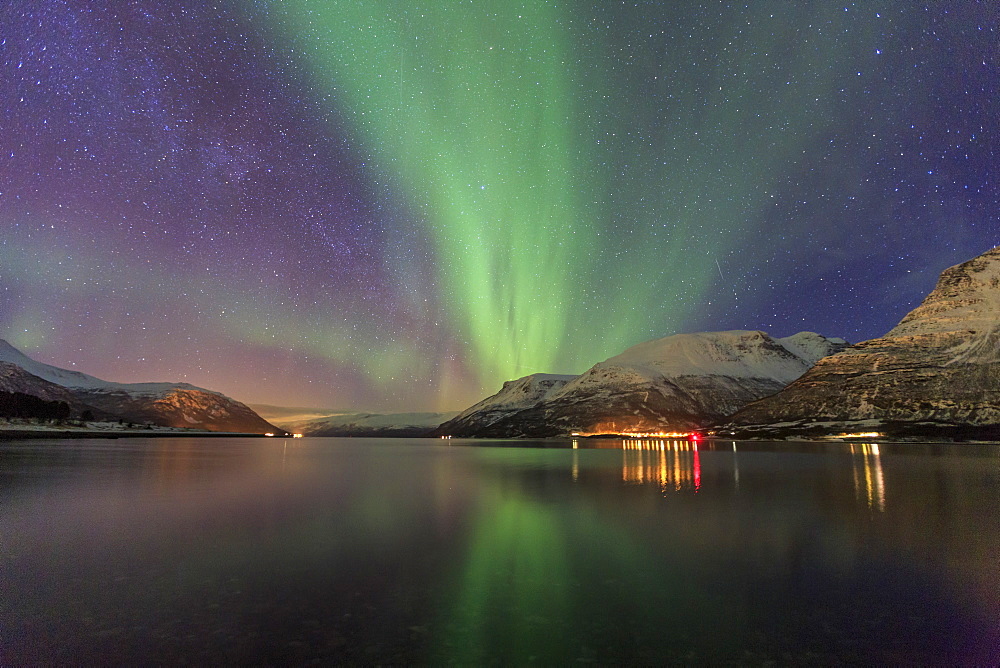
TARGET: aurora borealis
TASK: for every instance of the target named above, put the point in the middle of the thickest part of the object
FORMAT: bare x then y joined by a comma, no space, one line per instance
399,206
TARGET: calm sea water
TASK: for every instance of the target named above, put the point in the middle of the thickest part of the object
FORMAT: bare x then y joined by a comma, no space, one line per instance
475,552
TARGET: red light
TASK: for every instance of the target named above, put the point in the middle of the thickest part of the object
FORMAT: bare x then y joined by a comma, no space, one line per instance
695,437
697,471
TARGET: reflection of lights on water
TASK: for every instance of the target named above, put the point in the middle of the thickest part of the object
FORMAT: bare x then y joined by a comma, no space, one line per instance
576,460
874,481
675,464
736,467
697,469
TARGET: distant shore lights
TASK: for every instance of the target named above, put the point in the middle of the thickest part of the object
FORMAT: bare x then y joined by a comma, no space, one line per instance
689,435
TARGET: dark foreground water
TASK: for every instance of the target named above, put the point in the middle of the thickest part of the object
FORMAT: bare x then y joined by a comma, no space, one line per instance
417,551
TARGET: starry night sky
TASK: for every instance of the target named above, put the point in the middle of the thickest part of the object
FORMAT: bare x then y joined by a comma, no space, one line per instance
399,205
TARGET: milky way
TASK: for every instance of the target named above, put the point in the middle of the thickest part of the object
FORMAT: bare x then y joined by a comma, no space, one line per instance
400,205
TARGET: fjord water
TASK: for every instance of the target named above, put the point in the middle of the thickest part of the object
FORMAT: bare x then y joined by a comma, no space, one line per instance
476,552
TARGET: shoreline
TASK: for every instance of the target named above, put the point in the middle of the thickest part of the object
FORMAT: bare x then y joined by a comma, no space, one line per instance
41,434
21,434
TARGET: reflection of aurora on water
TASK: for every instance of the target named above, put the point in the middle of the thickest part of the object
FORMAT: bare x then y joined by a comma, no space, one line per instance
521,576
383,551
515,581
529,566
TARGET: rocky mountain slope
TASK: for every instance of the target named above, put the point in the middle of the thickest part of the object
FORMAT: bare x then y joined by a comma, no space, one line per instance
941,364
165,404
676,383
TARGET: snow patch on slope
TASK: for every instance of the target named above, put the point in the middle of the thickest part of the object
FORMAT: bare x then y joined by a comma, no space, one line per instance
811,346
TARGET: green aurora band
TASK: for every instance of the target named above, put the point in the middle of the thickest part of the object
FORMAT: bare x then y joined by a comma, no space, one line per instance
573,208
471,113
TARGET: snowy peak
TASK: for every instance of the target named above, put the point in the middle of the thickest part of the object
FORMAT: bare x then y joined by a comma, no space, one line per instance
64,377
515,397
733,354
692,377
521,393
78,380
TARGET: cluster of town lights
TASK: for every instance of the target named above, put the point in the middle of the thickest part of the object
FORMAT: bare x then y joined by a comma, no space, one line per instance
690,435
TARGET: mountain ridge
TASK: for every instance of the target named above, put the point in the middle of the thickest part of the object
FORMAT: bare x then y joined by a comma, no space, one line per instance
674,383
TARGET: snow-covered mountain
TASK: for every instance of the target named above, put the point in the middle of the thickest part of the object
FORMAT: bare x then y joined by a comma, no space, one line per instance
675,383
941,364
165,404
515,396
368,424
